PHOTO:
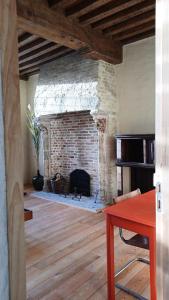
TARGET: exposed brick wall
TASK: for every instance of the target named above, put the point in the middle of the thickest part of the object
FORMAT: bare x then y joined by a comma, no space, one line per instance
74,145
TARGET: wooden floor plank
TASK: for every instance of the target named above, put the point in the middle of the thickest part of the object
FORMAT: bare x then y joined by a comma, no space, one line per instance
66,255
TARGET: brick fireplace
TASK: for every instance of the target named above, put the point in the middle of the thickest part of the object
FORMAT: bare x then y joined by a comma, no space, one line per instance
73,142
76,98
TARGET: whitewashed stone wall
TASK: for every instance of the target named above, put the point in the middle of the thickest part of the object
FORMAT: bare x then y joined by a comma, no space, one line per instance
107,110
68,84
96,81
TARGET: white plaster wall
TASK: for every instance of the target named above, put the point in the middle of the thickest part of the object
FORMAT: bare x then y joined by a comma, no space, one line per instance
31,89
136,91
27,93
136,88
23,97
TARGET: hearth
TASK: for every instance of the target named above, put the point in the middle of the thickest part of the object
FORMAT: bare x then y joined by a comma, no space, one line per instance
71,142
80,183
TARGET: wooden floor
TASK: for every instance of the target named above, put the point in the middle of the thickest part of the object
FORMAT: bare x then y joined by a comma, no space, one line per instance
66,255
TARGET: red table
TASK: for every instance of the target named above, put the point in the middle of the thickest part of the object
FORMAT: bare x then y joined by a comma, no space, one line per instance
136,214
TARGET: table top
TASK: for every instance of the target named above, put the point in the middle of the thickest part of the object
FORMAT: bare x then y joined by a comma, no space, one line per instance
140,209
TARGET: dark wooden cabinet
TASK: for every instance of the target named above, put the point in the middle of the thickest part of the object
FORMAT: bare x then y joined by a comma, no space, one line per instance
136,151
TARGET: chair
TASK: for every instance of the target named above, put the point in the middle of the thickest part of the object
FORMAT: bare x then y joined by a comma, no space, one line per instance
137,241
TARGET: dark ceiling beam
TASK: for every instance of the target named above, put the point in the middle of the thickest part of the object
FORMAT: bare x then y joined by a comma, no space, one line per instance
124,15
135,31
37,18
63,4
38,52
27,69
39,42
25,38
107,10
54,2
131,23
24,75
28,74
84,7
66,3
139,37
44,58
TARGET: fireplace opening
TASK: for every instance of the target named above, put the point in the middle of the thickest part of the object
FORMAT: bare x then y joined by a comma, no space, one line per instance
80,182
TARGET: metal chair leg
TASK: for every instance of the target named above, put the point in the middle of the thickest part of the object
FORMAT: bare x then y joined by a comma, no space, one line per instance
130,292
125,289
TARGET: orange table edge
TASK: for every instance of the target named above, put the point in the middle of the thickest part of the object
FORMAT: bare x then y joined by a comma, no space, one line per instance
136,214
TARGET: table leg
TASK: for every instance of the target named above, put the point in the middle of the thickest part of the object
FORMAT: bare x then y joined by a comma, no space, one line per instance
152,244
110,260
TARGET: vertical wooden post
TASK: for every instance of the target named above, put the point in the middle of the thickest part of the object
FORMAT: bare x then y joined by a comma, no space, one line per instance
11,143
162,146
4,282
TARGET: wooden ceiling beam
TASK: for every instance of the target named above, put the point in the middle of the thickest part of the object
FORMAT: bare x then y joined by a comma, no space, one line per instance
131,23
39,42
38,52
25,38
63,4
107,10
38,64
139,37
135,31
44,58
37,18
82,8
124,15
27,75
29,70
54,2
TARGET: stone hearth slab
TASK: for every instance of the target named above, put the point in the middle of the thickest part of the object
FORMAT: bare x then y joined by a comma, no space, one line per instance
87,203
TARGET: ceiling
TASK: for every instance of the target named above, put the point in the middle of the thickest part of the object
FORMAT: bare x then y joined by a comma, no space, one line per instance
125,21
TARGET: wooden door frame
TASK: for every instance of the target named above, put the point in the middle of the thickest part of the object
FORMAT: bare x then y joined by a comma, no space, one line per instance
162,145
13,258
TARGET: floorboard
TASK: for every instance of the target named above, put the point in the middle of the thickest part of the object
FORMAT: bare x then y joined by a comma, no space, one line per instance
66,255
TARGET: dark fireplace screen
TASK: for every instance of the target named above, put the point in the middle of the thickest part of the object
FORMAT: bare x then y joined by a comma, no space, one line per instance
80,182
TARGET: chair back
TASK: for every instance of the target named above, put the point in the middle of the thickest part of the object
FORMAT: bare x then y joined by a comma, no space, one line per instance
128,195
